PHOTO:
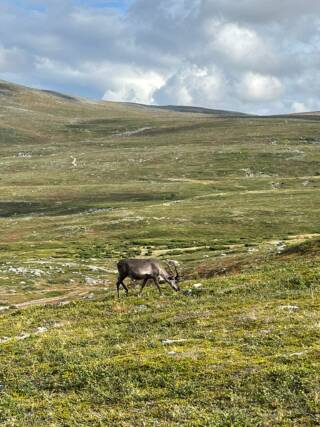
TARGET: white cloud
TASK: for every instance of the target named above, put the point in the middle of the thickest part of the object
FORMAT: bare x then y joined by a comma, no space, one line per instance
241,45
299,107
309,104
258,87
246,55
10,59
192,85
133,86
120,82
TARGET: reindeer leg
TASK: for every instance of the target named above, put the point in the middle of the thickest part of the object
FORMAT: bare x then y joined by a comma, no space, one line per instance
118,287
143,285
125,288
156,281
120,282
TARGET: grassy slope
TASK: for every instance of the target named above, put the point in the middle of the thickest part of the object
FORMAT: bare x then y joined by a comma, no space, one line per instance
248,355
211,191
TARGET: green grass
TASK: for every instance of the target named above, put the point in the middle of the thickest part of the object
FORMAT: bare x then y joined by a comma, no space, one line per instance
244,352
220,194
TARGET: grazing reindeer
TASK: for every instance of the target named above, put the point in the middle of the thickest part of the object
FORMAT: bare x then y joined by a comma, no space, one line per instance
145,269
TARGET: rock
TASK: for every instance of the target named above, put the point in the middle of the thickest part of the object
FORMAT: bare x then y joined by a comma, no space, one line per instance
252,250
41,330
289,307
23,336
62,303
299,353
197,285
90,281
168,341
74,161
21,270
141,307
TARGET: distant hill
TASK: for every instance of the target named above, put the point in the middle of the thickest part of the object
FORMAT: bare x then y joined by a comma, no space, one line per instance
194,110
201,110
7,88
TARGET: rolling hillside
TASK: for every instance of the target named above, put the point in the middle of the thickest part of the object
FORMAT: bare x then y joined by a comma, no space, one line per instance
233,198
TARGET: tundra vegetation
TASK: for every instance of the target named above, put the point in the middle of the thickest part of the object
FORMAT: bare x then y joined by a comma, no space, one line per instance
233,198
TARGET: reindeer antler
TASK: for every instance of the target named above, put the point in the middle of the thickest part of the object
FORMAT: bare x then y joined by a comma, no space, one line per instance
169,266
174,263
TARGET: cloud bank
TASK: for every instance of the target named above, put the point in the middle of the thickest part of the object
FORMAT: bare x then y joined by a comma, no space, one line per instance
251,56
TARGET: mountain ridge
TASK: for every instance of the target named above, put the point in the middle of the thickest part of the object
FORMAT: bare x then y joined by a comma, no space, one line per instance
6,87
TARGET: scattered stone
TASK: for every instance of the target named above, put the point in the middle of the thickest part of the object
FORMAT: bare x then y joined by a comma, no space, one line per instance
22,270
300,353
23,336
57,325
280,246
168,341
90,281
197,285
141,307
248,172
74,162
24,155
252,250
289,307
93,268
41,330
62,303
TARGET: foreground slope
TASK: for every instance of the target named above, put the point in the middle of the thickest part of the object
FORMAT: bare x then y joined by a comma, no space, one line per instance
241,350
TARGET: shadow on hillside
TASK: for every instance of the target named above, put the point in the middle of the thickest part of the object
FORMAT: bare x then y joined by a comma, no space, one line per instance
91,205
10,209
60,95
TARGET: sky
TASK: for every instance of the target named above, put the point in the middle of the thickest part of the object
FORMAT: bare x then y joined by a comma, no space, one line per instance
252,56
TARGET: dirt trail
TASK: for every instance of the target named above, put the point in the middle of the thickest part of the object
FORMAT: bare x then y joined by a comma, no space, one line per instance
66,298
132,132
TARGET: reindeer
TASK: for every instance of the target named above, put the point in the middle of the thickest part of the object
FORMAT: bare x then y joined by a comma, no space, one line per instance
145,269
